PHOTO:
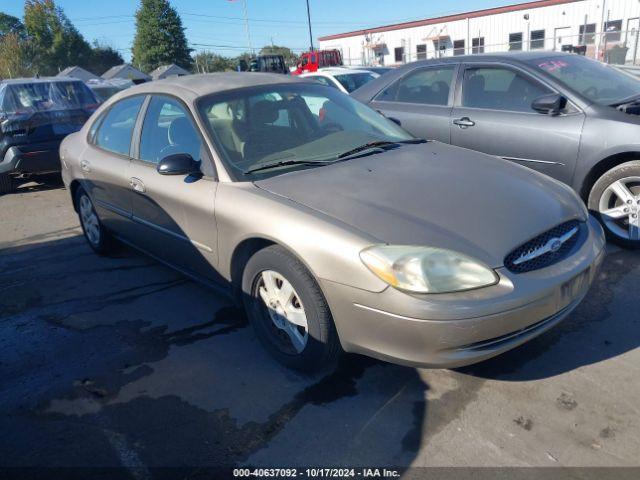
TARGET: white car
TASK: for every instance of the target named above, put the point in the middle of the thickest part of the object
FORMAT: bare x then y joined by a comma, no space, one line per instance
344,79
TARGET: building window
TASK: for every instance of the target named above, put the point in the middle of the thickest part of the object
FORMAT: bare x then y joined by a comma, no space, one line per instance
477,45
613,29
588,34
458,47
399,54
515,41
421,51
537,40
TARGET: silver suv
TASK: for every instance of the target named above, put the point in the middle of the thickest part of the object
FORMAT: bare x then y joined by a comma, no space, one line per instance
564,115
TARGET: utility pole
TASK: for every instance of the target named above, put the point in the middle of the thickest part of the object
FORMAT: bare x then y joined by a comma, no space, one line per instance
246,25
309,20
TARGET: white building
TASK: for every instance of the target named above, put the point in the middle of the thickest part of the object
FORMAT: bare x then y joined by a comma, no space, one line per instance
607,29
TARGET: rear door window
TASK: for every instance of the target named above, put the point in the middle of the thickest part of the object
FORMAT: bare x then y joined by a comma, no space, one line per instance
115,132
428,86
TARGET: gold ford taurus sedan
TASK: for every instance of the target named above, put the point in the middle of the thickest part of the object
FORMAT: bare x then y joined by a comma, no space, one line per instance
334,227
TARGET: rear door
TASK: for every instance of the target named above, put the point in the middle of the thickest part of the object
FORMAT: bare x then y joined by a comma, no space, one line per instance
421,100
105,160
173,214
493,115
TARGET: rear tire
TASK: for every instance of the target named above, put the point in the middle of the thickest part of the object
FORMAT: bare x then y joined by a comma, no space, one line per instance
288,311
98,237
615,200
7,185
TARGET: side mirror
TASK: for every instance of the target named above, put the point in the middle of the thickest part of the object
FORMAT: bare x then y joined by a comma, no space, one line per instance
551,104
178,164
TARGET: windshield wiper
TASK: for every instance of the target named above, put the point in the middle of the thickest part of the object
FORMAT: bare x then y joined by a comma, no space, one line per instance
283,163
378,144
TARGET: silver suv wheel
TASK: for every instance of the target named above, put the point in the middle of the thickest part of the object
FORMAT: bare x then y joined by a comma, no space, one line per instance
89,219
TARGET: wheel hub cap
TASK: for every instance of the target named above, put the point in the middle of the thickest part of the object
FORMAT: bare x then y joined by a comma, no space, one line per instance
284,307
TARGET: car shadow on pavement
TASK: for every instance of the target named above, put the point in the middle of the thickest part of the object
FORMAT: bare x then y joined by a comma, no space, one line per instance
605,325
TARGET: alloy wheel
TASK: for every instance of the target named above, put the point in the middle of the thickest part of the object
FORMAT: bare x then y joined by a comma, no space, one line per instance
619,208
285,316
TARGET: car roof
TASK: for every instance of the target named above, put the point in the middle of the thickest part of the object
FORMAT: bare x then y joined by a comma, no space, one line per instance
21,81
208,83
492,57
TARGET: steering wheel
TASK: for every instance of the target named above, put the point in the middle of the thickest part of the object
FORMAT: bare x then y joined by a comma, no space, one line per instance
591,91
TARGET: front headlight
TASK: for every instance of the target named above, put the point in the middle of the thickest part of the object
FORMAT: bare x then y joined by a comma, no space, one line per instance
426,269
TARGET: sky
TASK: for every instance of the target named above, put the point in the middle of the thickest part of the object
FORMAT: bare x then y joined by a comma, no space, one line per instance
218,25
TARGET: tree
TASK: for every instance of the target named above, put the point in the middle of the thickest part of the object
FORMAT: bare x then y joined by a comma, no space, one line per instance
160,38
54,42
207,62
14,57
10,24
290,58
103,57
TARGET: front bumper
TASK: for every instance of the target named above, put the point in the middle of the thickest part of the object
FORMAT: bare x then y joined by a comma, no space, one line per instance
452,330
33,158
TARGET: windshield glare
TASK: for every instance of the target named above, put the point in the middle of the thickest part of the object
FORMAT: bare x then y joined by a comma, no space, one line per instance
281,123
597,81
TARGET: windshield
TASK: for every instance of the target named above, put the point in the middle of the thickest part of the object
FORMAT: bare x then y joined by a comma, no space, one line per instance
354,80
33,97
298,124
598,82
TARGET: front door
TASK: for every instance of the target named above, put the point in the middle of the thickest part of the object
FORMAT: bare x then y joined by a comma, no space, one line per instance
174,213
493,115
421,101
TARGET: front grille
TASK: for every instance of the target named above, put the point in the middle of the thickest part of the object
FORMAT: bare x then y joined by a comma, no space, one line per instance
513,260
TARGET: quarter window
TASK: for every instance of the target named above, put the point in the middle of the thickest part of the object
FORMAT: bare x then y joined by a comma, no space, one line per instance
499,89
168,130
429,86
115,132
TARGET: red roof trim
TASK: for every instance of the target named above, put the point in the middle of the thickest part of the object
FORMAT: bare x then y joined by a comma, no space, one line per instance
451,18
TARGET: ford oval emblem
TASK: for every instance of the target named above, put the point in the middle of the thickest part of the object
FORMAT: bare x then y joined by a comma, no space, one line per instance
555,244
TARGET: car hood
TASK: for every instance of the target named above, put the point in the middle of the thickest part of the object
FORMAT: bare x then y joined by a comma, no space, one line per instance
437,195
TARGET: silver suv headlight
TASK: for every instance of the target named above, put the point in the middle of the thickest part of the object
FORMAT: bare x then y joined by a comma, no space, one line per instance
426,269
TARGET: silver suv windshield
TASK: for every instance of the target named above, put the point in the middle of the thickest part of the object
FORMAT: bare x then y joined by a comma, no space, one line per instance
287,127
597,81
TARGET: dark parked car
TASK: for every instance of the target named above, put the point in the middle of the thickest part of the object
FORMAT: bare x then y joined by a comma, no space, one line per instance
35,116
569,117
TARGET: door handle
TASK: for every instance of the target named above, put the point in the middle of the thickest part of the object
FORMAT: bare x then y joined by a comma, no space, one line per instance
137,185
85,166
464,122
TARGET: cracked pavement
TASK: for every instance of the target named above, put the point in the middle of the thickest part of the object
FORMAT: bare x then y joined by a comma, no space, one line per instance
123,362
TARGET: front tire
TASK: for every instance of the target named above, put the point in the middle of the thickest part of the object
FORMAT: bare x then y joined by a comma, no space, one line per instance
288,311
615,199
98,238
